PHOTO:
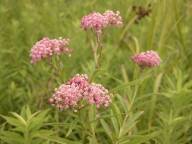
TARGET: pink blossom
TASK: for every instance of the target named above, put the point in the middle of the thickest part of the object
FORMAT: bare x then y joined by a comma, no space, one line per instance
98,95
61,46
79,89
147,59
113,18
66,96
95,21
47,47
80,81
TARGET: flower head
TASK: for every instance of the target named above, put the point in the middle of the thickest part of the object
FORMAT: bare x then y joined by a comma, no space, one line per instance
66,96
77,89
61,46
147,59
80,81
95,21
47,47
98,95
113,18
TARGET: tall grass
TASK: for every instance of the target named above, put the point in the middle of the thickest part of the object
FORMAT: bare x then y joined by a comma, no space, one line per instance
149,106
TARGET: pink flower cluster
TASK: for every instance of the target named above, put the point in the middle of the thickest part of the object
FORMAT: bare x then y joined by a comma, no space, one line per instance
66,96
97,94
47,47
97,21
78,88
113,18
79,80
147,59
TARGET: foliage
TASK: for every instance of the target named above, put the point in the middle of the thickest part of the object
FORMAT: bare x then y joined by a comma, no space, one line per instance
149,106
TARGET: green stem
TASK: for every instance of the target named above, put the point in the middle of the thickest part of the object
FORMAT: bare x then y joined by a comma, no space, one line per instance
99,50
26,136
49,83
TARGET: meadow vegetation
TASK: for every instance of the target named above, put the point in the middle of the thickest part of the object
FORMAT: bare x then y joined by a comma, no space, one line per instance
148,105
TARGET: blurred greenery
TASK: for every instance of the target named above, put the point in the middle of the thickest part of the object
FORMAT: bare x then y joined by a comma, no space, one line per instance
149,106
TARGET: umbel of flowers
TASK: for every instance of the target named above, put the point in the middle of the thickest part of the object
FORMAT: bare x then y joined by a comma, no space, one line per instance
47,47
79,89
97,21
147,59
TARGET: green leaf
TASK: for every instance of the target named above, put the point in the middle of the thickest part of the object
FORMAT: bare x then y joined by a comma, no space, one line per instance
35,134
19,118
106,128
11,137
138,139
57,139
117,113
115,125
13,121
129,123
37,120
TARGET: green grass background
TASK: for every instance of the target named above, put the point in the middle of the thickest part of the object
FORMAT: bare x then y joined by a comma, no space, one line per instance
149,106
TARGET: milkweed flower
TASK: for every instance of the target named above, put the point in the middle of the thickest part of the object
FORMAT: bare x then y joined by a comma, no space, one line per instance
113,18
97,21
147,59
66,96
80,81
46,47
98,95
77,89
61,46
